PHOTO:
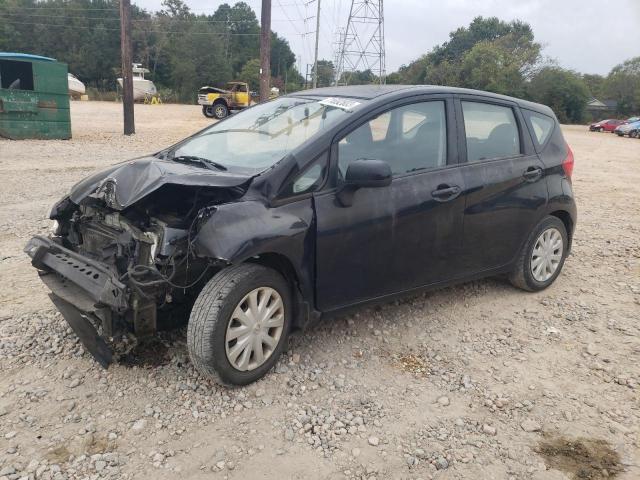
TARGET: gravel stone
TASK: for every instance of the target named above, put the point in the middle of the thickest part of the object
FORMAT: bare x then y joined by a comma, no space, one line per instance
530,426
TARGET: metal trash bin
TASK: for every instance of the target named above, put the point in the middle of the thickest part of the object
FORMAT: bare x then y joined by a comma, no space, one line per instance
34,97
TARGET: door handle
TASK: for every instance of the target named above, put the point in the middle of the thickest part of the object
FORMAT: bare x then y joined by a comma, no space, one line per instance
444,193
532,174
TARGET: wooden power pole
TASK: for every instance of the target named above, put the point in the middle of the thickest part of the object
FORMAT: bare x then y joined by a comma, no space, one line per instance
265,50
315,56
127,74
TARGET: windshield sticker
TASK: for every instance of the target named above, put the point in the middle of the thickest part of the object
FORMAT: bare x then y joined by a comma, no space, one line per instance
341,103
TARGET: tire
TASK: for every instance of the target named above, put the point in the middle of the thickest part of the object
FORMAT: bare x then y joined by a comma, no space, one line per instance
601,129
523,275
212,318
220,110
633,134
207,111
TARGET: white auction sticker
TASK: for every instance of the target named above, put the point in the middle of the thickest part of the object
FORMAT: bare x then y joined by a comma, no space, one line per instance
342,103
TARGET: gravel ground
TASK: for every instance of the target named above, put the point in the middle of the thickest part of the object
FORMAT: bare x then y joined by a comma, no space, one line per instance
476,381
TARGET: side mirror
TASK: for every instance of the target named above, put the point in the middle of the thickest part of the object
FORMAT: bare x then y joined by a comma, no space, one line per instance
363,174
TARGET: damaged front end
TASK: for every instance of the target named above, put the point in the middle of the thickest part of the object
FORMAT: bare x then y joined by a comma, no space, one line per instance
121,260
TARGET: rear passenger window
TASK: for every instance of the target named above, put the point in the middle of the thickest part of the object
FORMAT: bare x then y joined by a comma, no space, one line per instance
541,125
491,130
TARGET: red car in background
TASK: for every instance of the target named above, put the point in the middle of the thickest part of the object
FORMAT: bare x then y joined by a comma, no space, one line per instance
608,125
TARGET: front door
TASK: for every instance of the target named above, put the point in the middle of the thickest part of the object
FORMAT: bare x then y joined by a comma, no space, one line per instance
398,237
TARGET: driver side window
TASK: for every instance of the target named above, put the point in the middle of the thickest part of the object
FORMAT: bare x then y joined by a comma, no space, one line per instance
409,138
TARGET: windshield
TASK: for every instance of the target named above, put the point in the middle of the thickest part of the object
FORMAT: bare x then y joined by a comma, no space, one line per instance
258,137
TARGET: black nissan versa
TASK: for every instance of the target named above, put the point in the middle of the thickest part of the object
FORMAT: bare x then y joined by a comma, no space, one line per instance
305,205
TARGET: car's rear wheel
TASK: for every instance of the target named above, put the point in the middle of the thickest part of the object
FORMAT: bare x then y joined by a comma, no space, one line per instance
239,324
542,256
207,111
633,134
220,110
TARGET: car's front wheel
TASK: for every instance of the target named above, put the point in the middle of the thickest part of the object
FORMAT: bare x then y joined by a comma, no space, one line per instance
542,256
239,324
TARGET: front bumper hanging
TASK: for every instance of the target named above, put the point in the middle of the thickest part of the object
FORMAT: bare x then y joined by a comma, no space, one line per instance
84,291
100,283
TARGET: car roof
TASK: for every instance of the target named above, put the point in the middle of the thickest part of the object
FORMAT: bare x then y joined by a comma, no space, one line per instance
372,92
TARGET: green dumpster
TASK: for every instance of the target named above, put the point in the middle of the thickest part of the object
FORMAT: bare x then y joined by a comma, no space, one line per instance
34,97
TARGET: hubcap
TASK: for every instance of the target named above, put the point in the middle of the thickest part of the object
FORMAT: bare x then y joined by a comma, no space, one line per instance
547,253
219,111
254,329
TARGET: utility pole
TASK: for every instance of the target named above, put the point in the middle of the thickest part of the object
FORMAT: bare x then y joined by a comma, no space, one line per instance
127,74
265,50
315,57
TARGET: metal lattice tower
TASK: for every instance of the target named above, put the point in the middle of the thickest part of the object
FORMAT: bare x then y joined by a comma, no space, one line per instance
362,45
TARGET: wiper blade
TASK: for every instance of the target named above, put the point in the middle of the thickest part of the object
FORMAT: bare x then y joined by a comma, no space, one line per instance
205,162
236,130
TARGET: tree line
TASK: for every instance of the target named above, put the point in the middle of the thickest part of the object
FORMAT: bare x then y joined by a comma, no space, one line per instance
182,49
185,51
503,57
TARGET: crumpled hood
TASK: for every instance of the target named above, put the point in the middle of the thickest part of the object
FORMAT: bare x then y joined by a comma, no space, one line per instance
133,180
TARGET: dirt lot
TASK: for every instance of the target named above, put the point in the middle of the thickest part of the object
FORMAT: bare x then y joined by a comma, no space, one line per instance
477,381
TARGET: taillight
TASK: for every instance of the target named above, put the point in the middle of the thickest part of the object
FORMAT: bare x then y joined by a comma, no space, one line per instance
567,165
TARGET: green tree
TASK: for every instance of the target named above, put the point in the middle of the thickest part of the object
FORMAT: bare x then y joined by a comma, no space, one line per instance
595,84
240,39
251,73
623,86
479,30
360,77
562,90
499,66
326,73
282,57
394,78
489,54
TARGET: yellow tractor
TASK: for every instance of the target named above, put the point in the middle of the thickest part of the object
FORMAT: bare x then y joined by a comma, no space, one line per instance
218,102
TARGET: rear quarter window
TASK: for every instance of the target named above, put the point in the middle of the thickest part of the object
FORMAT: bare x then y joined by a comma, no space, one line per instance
541,126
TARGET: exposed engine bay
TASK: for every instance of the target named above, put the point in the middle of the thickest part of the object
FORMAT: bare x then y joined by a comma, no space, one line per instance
147,246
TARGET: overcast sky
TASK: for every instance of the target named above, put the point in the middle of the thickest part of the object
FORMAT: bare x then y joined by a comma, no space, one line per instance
590,36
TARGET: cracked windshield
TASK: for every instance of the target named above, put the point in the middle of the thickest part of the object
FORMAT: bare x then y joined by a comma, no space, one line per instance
262,135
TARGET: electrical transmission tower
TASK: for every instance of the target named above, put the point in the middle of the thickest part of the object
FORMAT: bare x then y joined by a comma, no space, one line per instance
362,46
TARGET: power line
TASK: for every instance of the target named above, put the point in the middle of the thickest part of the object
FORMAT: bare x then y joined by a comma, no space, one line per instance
156,17
117,29
52,7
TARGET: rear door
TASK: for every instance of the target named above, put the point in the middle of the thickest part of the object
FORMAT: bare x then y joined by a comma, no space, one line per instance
505,181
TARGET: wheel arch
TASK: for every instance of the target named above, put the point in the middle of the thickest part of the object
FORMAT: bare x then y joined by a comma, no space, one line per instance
280,238
567,220
302,311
